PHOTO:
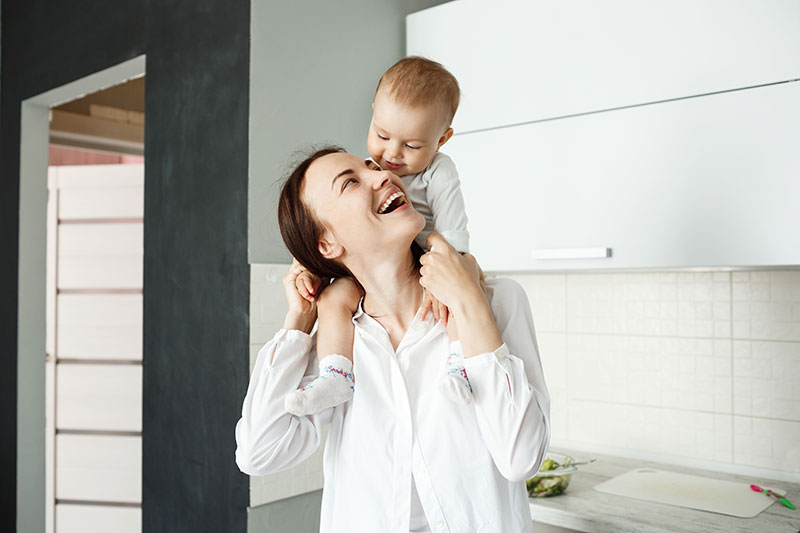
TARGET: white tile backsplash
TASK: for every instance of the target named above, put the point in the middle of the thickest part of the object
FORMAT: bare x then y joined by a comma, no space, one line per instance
703,365
766,305
766,379
681,304
267,310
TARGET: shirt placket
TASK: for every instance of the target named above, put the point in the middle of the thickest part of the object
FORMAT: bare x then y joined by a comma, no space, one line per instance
402,451
427,494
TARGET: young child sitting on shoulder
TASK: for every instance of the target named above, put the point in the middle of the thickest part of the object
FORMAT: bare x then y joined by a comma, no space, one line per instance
414,106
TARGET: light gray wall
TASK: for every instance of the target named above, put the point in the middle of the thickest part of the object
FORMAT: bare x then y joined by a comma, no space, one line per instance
314,68
299,514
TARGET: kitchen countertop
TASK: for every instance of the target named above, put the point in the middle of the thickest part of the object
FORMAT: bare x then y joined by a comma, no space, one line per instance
584,509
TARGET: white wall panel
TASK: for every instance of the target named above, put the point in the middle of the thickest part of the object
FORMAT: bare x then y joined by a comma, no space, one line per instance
99,397
97,468
101,191
523,60
99,326
97,519
94,256
699,182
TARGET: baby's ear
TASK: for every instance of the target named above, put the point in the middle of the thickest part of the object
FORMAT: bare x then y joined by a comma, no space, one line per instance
445,137
328,247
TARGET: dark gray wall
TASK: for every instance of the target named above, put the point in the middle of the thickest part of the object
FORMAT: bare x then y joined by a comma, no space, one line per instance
196,276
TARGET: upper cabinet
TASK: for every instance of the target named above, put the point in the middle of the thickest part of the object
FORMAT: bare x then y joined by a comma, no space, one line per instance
624,134
524,60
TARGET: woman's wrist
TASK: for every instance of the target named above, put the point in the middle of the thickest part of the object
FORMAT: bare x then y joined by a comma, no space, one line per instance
477,328
300,321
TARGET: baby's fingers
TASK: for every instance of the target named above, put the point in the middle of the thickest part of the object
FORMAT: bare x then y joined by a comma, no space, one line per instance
426,306
303,284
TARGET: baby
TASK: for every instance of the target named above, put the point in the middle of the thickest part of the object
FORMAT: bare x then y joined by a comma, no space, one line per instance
413,108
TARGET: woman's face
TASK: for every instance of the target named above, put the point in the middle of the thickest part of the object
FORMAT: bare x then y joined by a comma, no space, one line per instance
363,208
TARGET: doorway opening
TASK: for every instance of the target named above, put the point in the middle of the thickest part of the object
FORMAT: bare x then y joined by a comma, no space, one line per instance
80,294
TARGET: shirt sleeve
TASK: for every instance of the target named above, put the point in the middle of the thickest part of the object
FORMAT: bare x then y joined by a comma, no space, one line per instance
443,194
511,399
268,438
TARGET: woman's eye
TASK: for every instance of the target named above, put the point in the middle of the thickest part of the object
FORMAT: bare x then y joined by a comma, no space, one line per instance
346,183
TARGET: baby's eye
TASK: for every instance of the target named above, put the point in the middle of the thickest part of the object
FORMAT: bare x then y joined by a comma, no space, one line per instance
383,138
413,147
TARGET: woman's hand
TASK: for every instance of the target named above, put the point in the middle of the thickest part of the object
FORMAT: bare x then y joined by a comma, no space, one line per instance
300,286
455,280
447,274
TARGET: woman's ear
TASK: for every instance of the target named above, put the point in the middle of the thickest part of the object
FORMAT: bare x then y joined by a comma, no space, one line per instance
328,247
445,137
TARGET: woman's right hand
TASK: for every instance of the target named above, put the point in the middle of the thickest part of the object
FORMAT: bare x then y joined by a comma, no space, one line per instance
300,286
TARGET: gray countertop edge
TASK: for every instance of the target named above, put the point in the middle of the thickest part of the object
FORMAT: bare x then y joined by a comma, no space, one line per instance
584,509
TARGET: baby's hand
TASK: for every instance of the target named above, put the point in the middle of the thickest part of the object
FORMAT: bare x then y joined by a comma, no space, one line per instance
440,311
342,293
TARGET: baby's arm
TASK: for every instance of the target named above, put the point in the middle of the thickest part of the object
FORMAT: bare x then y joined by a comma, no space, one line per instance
337,304
443,194
444,198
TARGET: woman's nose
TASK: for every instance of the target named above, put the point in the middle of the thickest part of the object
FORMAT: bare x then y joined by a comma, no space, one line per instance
381,180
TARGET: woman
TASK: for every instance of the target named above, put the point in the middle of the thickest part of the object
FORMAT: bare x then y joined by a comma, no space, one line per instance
400,456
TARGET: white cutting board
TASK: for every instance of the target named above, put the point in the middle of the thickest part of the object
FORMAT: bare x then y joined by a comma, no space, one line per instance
683,490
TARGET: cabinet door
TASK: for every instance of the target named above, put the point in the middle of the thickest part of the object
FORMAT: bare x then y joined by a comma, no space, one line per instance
707,181
522,60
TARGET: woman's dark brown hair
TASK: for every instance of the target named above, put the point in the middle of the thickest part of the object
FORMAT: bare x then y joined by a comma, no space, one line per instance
301,230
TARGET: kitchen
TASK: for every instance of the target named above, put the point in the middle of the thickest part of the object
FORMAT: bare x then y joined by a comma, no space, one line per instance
651,153
642,158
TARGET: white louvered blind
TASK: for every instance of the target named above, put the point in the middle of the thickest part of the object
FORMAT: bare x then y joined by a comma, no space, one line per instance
94,345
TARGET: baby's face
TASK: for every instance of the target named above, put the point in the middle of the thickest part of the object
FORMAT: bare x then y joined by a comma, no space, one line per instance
404,139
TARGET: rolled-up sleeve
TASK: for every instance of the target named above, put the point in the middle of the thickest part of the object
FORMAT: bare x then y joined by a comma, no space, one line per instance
511,399
268,438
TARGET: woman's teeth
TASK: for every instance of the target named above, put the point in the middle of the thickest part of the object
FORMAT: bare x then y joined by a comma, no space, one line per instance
385,205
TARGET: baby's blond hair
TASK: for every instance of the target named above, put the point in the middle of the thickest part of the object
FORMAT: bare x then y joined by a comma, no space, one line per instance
417,82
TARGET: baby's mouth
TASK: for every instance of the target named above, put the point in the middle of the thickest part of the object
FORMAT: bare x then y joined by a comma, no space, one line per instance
392,166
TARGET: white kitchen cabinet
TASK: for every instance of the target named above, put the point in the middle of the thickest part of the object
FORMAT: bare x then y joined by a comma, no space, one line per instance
707,181
521,60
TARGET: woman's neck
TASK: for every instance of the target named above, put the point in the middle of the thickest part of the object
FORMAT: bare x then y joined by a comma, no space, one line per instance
392,290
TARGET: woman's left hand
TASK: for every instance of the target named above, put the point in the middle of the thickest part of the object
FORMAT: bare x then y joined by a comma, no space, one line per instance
447,274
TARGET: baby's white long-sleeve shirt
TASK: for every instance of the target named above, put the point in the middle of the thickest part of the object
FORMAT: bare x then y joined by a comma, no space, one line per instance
436,194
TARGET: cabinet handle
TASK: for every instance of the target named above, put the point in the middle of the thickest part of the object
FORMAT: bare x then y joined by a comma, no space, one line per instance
571,253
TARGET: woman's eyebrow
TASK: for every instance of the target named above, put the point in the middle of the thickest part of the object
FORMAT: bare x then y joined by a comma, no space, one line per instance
341,174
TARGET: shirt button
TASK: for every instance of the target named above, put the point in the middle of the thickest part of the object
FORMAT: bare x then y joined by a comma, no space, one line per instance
440,524
420,472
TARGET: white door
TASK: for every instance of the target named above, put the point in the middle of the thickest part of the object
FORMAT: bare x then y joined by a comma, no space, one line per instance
94,348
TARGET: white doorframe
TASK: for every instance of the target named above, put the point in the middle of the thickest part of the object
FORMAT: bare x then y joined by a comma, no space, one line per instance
31,333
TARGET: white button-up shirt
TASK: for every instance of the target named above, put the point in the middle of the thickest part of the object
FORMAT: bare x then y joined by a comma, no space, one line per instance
468,463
